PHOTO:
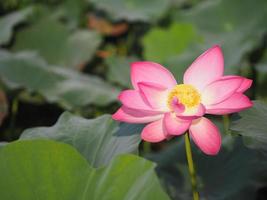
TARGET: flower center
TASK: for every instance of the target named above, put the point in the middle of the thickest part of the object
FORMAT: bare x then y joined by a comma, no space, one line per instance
186,94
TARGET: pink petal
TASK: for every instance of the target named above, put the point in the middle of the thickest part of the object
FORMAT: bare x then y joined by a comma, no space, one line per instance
206,135
155,95
174,125
133,99
220,90
246,84
192,113
235,103
129,115
207,68
154,132
151,72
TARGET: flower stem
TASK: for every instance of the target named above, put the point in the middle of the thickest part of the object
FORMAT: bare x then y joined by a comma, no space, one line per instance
191,168
146,147
14,110
226,122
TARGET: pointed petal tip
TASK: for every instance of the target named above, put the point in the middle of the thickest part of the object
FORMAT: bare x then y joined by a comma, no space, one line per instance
215,50
216,46
119,96
209,64
116,116
213,152
236,103
221,89
145,71
133,64
245,85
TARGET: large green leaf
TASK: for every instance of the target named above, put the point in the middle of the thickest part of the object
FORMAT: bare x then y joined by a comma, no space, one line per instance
161,44
65,86
235,173
133,10
53,41
252,124
98,140
48,170
8,22
237,25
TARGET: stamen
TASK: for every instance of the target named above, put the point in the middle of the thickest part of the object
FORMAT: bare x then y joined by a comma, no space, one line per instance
186,94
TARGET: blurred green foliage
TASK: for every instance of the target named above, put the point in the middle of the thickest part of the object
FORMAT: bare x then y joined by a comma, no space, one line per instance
75,56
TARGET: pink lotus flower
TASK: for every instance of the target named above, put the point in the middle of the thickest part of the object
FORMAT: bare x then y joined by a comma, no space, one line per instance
171,109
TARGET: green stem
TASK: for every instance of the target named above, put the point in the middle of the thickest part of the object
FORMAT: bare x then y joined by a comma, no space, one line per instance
191,168
14,110
146,147
226,122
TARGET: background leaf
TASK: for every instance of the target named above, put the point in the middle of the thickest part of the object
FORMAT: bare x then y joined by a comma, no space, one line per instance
71,89
8,22
251,123
230,23
160,44
133,10
119,70
53,41
98,140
